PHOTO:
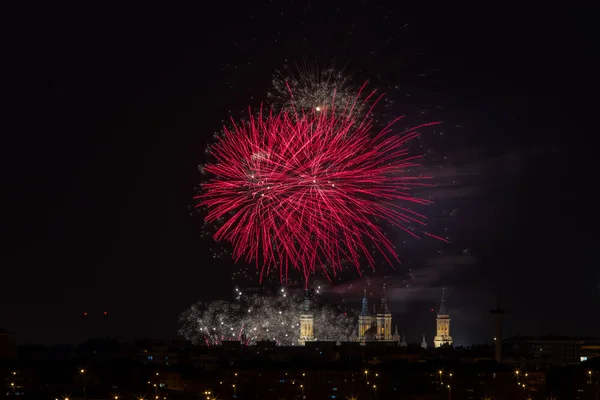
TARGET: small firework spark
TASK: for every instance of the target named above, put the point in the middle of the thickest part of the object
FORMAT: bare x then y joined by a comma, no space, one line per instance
311,190
253,318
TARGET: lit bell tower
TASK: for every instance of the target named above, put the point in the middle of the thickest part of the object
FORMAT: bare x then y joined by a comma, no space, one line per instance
364,319
442,336
306,323
384,320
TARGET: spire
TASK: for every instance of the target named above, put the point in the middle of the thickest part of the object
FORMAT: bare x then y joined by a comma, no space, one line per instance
384,307
396,331
364,312
424,342
443,306
403,342
306,306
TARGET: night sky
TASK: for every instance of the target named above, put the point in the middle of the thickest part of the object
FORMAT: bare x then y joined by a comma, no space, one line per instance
113,108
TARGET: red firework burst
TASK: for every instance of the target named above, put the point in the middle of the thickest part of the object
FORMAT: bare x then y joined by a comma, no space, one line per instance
305,190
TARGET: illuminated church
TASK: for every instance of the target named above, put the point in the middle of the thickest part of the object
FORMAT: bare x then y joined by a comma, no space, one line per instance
377,326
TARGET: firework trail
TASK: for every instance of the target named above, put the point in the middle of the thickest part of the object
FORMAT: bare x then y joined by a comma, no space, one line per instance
253,318
306,190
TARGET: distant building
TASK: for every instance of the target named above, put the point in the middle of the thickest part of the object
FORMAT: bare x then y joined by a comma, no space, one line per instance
442,336
544,351
589,349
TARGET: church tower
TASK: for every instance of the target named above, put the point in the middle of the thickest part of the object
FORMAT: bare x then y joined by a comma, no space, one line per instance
306,323
364,319
442,336
384,320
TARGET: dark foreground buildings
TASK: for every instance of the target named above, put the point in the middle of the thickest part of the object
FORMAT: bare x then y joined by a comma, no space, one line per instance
106,369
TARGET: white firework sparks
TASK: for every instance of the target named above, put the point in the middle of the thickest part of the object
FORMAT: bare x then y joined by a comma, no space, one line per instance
253,318
310,88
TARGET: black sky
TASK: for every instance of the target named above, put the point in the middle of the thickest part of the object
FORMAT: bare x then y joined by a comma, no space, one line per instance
113,108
